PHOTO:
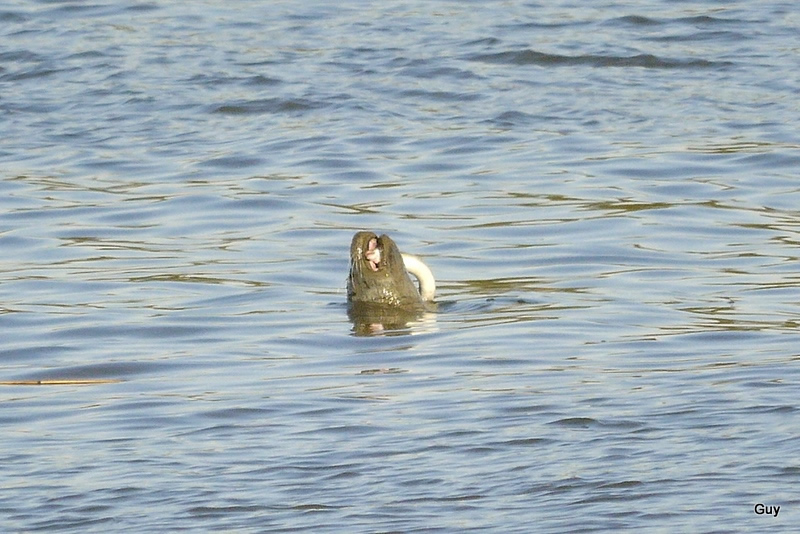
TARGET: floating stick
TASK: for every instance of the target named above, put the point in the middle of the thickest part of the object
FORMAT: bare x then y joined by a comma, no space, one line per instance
61,382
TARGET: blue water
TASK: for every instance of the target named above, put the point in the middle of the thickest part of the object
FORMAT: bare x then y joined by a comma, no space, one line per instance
608,196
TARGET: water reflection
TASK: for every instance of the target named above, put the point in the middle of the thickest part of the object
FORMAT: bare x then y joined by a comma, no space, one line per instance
370,320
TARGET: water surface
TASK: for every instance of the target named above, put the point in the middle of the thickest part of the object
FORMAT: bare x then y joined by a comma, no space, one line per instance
607,195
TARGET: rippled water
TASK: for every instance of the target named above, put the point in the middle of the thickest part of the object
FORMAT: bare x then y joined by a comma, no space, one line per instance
608,196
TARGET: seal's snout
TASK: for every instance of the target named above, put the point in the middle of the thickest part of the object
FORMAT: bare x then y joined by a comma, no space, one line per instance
373,254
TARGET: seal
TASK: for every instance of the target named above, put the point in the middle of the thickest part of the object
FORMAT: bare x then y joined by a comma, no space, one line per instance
379,274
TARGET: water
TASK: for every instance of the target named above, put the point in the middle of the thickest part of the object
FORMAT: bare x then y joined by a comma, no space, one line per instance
608,196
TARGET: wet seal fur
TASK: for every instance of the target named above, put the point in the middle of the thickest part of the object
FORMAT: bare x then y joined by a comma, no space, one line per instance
378,276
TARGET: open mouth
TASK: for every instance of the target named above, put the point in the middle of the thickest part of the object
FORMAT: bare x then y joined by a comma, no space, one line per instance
373,254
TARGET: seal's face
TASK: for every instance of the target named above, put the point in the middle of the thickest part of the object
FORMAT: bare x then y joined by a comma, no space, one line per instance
377,274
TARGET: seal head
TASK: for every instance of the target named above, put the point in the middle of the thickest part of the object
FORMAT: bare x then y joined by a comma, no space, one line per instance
378,275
